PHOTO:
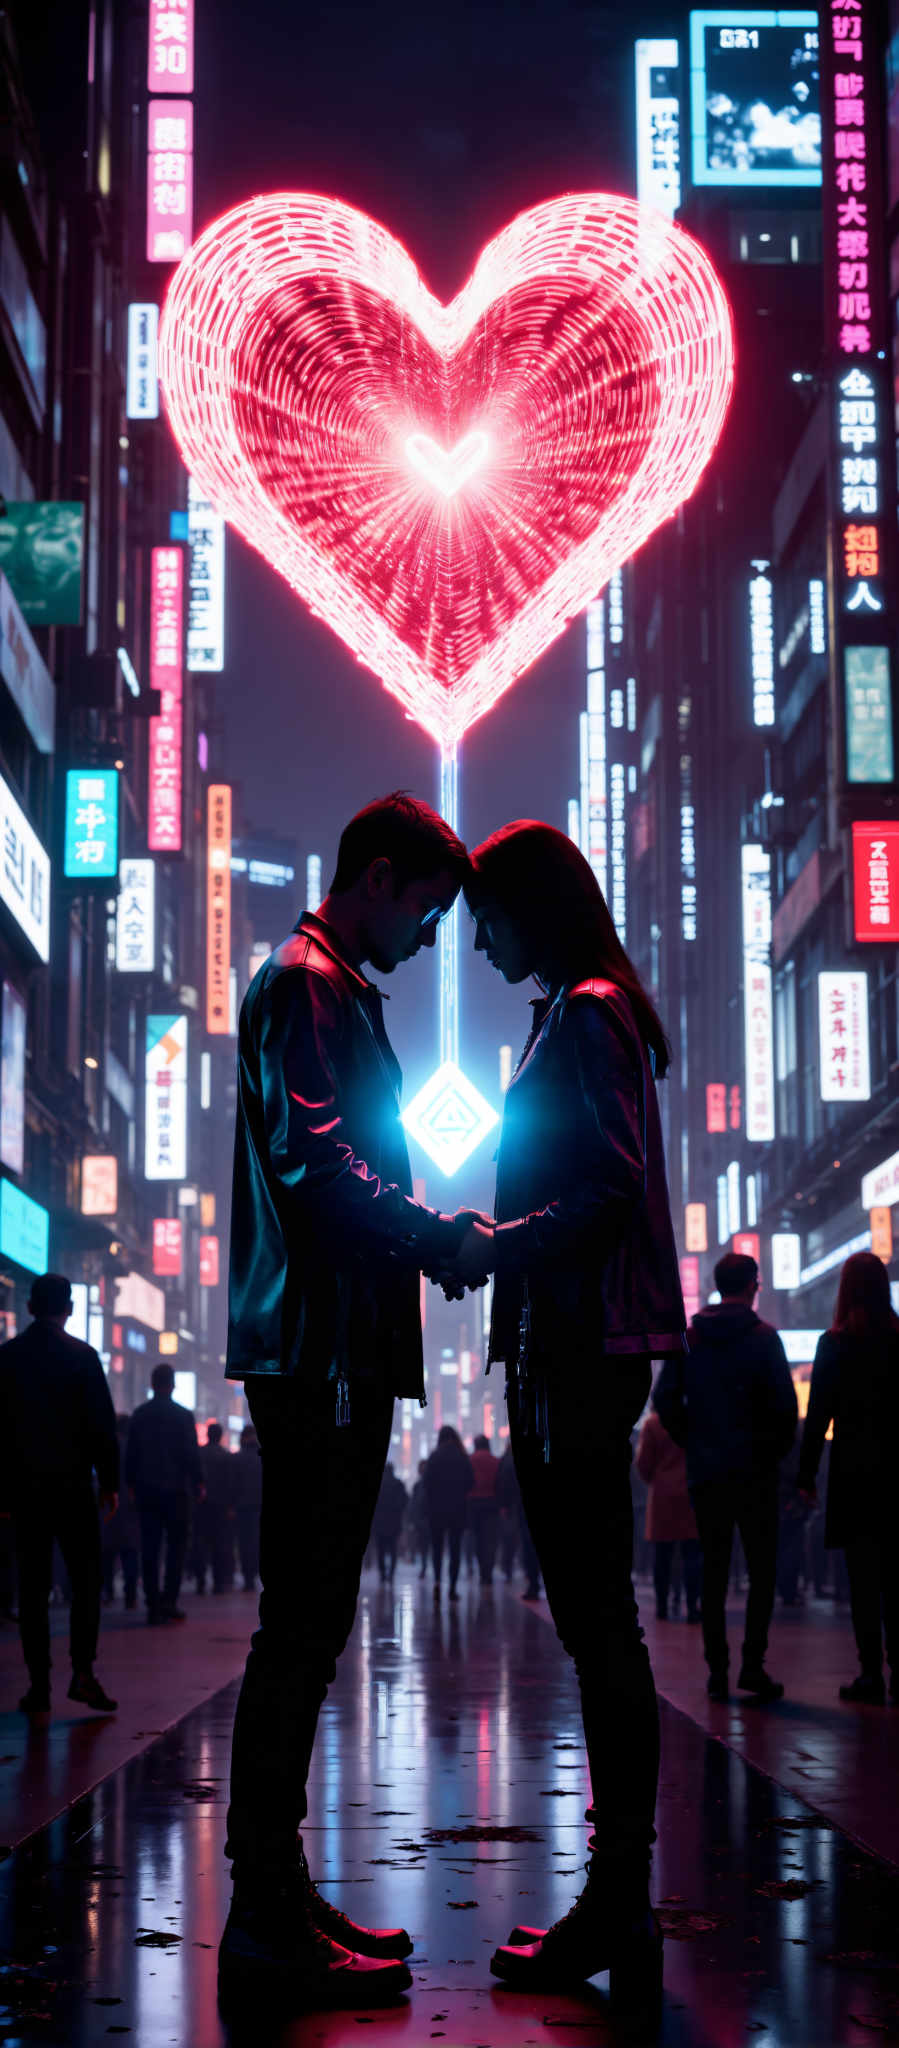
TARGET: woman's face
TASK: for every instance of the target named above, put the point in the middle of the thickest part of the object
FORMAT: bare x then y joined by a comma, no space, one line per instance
499,937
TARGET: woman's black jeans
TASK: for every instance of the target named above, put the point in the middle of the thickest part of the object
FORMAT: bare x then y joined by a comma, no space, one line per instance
580,1514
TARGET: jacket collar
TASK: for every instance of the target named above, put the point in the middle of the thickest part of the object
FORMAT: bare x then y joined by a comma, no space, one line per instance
330,944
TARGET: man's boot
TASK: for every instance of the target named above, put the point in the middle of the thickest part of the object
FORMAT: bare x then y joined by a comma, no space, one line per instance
272,1946
611,1926
389,1944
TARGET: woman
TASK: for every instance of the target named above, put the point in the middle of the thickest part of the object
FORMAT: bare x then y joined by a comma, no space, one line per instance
669,1515
448,1482
855,1385
586,1291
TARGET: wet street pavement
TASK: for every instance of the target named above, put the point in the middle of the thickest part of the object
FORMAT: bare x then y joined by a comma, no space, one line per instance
448,1793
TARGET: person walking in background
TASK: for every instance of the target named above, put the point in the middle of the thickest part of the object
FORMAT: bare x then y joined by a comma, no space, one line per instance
215,1514
418,1519
855,1385
57,1428
483,1513
669,1516
732,1404
247,1504
164,1473
448,1482
121,1535
390,1507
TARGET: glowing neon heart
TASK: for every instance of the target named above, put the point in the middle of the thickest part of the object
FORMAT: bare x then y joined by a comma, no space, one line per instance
299,353
450,471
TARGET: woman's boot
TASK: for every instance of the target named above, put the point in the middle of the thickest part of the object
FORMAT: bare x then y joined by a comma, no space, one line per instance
611,1926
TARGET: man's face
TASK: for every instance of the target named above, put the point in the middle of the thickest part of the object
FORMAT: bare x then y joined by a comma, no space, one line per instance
498,937
400,922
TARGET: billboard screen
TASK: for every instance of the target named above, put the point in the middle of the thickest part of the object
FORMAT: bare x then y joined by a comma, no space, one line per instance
755,99
24,1229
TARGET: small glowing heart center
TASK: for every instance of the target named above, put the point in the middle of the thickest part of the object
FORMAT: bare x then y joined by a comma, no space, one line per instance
447,470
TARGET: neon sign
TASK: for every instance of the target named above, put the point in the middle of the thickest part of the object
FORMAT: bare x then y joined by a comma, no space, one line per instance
875,863
758,1008
170,179
447,470
761,645
166,676
844,1037
300,351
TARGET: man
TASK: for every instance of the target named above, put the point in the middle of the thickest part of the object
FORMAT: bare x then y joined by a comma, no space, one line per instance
247,1502
326,1251
163,1471
57,1427
483,1510
732,1404
215,1518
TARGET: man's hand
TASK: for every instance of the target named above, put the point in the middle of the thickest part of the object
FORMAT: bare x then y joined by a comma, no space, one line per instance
474,1258
108,1504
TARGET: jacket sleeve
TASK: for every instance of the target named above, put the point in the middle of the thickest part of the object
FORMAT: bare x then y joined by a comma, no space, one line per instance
612,1163
309,1148
669,1400
102,1435
780,1398
821,1403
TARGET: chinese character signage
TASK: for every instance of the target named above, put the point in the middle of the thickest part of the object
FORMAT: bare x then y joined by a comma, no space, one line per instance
696,1235
142,381
875,869
746,1243
24,1229
785,1260
218,907
209,1262
658,123
165,1137
882,1234
206,599
135,925
12,1080
170,57
843,1036
593,763
758,1008
92,824
24,873
170,179
862,467
755,96
99,1184
761,647
716,1106
167,1246
167,676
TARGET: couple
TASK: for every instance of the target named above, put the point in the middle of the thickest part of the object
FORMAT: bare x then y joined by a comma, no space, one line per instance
327,1247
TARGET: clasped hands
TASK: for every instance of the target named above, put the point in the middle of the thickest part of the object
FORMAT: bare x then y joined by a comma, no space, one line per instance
472,1261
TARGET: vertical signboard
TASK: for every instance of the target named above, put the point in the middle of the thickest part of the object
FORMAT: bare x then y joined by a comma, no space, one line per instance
135,924
716,1106
142,381
656,64
689,1280
167,676
24,873
218,906
165,1128
761,645
206,596
696,1234
170,55
875,874
209,1262
99,1184
594,789
170,179
862,464
92,824
785,1259
844,1038
167,1247
12,1080
758,1008
882,1234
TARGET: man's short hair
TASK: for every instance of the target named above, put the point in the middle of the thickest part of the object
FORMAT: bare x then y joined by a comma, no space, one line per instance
51,1295
735,1273
162,1379
405,831
213,1432
481,1443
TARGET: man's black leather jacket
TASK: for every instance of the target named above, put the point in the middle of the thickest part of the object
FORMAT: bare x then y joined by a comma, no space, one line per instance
585,1254
326,1242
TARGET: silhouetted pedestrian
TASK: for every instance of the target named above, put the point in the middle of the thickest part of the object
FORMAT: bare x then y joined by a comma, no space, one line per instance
448,1483
390,1507
731,1402
483,1512
855,1385
57,1427
248,1502
163,1471
215,1515
418,1519
121,1535
669,1515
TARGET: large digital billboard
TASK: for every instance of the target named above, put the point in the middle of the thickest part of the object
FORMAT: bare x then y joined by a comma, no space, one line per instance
755,101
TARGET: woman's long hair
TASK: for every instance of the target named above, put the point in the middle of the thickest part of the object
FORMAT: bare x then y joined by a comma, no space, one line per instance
542,882
864,1307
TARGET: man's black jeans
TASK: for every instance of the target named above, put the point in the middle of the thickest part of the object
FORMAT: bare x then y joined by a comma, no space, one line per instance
872,1562
580,1514
750,1505
162,1513
319,1489
64,1510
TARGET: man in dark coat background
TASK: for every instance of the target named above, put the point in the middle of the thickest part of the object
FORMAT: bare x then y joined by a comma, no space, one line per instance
163,1470
732,1404
57,1427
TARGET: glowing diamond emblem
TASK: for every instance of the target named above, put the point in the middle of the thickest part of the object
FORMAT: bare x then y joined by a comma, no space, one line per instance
449,1118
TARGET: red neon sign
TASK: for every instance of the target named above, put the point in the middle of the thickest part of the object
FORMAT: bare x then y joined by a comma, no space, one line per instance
747,1243
716,1106
170,57
209,1262
875,868
167,1246
166,675
305,367
170,179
